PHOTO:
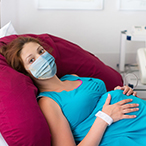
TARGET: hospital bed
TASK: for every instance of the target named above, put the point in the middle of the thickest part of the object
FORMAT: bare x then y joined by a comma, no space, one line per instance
22,122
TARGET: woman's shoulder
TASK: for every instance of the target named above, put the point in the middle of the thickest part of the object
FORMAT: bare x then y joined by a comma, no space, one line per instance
45,100
75,75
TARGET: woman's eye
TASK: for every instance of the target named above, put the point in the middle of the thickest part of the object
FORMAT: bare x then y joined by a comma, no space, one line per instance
31,60
41,51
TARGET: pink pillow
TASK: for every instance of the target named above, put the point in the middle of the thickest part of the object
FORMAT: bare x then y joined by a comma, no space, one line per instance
70,58
21,120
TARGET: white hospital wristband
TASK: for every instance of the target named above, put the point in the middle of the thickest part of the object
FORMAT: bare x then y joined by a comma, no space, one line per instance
105,117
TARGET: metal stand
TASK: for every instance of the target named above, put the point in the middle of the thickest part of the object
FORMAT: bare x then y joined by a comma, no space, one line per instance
125,36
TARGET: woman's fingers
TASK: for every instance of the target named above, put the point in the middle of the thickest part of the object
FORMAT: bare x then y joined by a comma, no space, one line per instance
134,93
124,101
129,110
128,116
126,90
130,105
130,91
107,102
118,87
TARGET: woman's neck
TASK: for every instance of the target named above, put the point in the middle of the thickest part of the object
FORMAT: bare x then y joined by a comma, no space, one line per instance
52,84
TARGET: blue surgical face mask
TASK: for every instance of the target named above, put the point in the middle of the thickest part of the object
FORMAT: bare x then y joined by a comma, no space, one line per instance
44,66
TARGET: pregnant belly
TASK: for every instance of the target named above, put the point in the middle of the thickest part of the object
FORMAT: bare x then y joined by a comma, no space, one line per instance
132,128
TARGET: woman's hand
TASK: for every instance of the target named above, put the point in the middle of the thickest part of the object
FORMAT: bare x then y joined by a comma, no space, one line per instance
127,90
118,110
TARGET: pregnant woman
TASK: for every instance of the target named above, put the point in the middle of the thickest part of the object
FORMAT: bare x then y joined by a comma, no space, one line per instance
79,110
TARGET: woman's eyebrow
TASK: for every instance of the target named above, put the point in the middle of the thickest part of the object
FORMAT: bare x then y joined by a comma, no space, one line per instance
31,54
28,56
38,47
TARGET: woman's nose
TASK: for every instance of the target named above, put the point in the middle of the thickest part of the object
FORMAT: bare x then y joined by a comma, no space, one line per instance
37,56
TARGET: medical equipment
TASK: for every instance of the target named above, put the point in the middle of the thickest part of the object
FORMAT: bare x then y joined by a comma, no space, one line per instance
137,33
130,80
131,76
141,59
138,30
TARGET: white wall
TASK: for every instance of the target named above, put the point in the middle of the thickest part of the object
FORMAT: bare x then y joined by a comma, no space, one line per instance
95,31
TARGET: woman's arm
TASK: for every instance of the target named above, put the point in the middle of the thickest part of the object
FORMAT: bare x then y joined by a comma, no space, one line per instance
60,129
59,126
95,134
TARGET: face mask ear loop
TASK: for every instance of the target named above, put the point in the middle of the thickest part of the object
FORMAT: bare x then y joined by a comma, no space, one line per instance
129,84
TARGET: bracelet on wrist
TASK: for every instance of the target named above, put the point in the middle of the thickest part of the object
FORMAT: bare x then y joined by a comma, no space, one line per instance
105,117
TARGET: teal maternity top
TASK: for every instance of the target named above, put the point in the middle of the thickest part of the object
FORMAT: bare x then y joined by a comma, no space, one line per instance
80,105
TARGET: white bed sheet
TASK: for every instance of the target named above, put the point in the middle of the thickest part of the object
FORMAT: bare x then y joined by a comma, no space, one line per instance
2,141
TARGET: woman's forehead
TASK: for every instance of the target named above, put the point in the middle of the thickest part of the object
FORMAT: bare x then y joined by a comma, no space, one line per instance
30,46
28,49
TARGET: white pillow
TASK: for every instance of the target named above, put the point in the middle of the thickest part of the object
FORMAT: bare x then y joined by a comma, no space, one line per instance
2,141
6,30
